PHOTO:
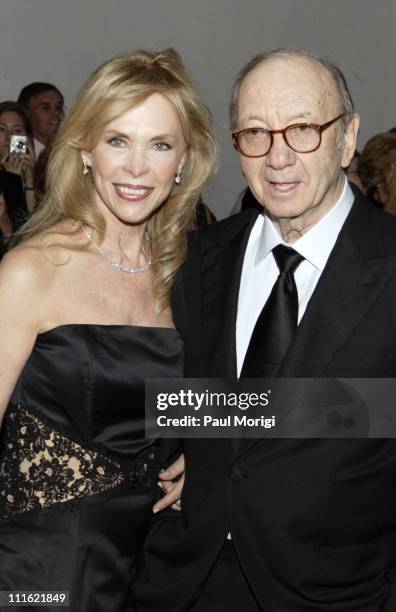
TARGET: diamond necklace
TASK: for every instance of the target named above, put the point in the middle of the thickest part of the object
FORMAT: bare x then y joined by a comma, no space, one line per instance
116,265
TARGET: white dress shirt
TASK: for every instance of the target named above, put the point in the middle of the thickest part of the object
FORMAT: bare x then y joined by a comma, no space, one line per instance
38,147
260,271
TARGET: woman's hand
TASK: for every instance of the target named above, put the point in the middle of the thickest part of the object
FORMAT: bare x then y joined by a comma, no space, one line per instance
13,162
21,164
171,481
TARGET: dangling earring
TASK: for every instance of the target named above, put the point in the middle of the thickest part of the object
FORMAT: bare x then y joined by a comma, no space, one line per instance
177,178
85,164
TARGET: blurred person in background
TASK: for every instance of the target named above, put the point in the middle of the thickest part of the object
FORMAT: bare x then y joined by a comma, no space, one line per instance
40,175
5,225
13,121
13,204
44,106
377,170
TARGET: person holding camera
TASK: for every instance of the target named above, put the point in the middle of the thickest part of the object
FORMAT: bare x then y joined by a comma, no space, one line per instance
16,150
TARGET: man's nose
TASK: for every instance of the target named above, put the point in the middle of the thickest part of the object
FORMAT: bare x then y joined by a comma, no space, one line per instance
280,154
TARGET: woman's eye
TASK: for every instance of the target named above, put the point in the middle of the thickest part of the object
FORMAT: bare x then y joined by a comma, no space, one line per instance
162,146
116,141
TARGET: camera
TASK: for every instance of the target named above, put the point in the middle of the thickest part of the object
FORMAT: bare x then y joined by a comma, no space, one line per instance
18,143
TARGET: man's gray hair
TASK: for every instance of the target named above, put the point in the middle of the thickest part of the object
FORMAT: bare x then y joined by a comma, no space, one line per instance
344,95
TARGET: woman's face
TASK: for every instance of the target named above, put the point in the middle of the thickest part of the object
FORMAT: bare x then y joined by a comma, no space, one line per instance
10,123
134,164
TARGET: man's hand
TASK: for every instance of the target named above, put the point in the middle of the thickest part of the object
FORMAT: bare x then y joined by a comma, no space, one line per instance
172,488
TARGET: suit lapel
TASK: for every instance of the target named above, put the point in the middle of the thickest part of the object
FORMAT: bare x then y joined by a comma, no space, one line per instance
221,268
356,273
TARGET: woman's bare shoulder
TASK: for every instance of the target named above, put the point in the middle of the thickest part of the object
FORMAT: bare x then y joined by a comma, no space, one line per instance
38,259
26,267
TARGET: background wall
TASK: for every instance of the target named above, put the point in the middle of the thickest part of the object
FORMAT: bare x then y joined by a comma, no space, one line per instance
61,41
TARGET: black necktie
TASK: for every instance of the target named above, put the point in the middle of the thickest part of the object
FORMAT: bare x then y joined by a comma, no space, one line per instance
277,322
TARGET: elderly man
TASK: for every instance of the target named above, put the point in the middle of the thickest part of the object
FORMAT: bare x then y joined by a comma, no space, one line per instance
305,289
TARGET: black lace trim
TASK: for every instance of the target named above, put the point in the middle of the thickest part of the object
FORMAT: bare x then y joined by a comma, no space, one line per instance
42,467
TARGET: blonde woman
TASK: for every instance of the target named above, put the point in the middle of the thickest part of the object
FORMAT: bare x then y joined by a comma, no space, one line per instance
84,319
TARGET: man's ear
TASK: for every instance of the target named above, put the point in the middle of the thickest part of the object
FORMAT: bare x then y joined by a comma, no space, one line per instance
350,138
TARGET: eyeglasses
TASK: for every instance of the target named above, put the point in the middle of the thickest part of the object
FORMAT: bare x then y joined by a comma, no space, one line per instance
300,137
48,108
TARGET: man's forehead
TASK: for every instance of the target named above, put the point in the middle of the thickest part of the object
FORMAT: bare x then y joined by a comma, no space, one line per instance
291,84
49,94
287,72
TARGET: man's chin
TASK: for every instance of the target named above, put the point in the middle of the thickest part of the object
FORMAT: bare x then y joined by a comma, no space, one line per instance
284,210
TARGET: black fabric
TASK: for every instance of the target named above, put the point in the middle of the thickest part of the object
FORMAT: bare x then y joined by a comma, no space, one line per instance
277,322
313,521
86,384
249,201
3,245
14,197
226,589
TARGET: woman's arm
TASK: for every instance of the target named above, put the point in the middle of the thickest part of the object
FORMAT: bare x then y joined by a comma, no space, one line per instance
22,286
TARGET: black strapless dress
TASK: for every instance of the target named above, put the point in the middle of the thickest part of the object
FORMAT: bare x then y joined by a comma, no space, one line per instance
77,476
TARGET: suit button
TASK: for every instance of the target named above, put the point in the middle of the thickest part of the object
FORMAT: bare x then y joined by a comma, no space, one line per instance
236,474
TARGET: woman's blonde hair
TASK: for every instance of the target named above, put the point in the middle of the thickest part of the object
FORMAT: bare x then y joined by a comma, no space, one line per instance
115,87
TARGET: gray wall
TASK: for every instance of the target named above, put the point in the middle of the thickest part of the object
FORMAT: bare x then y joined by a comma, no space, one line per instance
62,41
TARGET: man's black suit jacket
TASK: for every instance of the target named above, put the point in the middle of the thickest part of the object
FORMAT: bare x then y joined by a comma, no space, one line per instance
313,521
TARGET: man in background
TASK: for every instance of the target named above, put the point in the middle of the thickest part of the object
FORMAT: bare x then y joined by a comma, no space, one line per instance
44,105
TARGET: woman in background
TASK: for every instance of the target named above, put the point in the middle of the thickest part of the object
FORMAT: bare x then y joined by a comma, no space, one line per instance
377,170
13,121
84,319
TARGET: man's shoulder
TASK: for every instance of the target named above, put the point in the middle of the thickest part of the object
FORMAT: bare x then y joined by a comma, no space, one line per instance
226,229
377,223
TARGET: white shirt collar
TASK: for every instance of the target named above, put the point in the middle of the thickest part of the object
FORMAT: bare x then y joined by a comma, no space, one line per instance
38,147
317,243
